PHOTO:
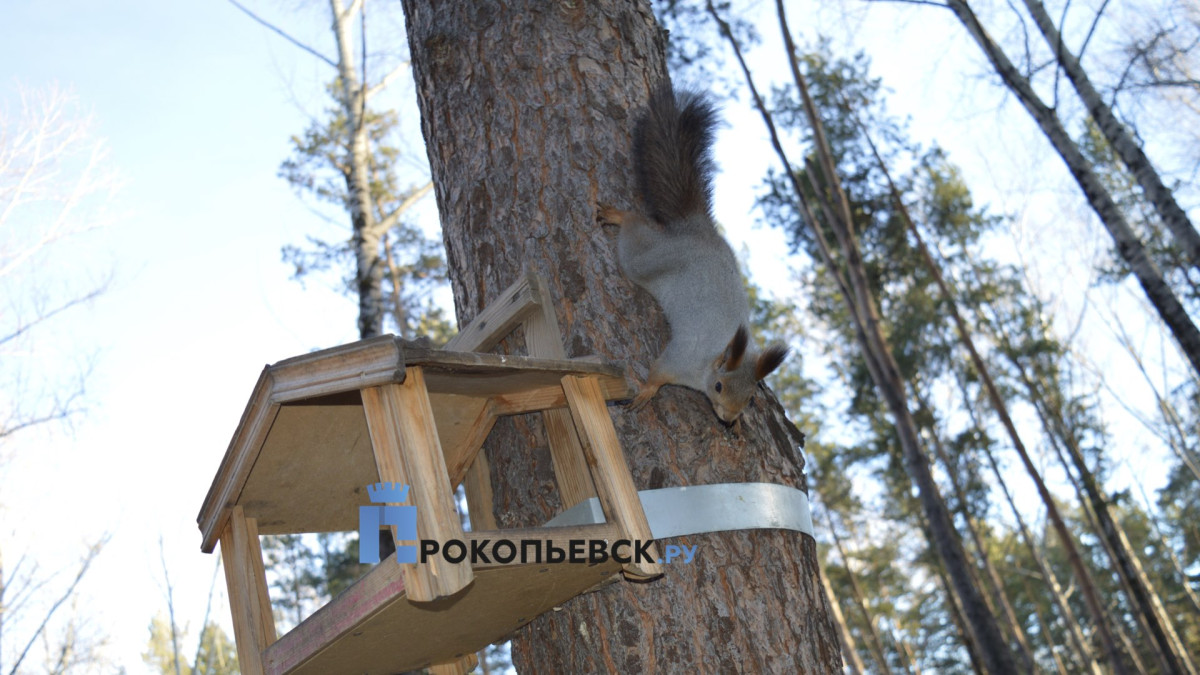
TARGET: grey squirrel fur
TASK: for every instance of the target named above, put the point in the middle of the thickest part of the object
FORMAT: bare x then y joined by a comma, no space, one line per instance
676,253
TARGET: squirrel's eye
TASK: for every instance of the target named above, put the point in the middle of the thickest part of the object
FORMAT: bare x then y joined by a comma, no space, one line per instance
718,387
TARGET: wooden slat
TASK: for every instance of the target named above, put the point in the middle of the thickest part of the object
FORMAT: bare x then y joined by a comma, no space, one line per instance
383,360
498,319
239,459
474,422
407,450
614,485
358,365
371,628
547,398
460,666
543,339
253,623
477,483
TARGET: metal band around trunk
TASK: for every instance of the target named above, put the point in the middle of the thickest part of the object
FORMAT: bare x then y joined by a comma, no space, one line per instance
678,511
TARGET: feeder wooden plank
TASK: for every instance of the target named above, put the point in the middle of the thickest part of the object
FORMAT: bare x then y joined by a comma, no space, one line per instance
312,471
497,319
372,628
253,622
462,429
407,450
240,457
614,485
366,363
460,667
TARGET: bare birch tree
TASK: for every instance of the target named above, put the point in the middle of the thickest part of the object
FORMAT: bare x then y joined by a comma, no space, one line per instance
348,160
55,187
1128,246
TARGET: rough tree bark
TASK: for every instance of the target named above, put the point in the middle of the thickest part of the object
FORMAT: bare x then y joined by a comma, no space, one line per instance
527,110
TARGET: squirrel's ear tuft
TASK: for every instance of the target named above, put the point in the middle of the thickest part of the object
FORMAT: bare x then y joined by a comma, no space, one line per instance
769,360
735,350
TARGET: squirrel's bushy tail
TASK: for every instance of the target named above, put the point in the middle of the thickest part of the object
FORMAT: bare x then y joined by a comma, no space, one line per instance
672,145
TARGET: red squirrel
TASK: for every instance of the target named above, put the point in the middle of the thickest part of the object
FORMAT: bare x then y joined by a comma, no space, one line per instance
675,252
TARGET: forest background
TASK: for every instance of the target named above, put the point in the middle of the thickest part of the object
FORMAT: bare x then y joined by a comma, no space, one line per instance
144,382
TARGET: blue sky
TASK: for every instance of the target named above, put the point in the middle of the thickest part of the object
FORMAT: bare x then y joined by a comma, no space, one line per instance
196,106
197,103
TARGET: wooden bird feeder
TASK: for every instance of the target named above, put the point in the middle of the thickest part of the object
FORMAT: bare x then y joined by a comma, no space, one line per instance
321,427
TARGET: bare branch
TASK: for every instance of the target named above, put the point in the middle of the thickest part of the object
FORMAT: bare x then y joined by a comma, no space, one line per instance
93,551
281,33
387,79
42,317
392,218
930,3
1092,29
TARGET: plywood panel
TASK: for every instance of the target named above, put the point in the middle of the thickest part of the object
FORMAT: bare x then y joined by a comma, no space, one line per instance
372,628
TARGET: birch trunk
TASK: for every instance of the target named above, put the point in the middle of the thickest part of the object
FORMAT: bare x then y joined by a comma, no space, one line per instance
1128,246
1172,215
368,277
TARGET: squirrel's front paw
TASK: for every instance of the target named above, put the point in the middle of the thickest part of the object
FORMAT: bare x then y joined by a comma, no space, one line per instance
607,215
645,393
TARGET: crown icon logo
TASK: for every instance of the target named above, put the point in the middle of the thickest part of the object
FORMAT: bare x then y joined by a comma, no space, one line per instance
381,493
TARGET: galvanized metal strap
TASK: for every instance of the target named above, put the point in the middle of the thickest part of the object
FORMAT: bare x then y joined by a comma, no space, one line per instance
678,511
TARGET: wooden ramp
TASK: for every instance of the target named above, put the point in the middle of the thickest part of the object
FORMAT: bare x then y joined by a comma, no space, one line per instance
371,628
319,428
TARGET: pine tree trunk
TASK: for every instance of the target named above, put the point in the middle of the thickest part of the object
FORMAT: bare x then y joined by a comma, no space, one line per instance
1172,215
1128,246
1144,599
992,650
992,577
527,110
1080,645
874,643
849,648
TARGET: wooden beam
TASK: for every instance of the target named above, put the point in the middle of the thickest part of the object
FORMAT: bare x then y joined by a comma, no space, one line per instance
468,440
357,365
543,339
407,450
461,666
239,459
614,485
552,397
497,319
371,628
253,623
480,335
